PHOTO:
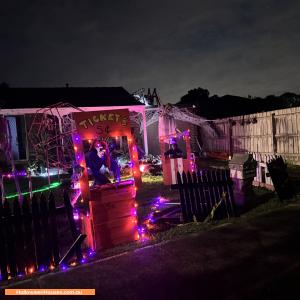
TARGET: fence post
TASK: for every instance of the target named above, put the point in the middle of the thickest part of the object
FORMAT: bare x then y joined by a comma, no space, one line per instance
74,231
19,235
53,229
3,259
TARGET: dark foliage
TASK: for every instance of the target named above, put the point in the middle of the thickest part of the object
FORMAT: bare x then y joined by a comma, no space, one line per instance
229,105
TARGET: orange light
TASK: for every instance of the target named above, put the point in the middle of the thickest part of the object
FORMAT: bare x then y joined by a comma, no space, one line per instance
31,270
134,172
75,148
129,140
90,141
135,204
51,267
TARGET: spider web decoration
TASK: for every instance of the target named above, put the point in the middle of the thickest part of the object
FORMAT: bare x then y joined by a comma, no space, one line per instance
170,111
151,117
50,135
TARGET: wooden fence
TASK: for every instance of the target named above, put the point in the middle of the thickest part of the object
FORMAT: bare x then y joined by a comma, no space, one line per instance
29,234
269,133
201,193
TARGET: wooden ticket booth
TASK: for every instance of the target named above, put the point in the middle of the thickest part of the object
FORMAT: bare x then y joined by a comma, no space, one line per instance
171,166
110,217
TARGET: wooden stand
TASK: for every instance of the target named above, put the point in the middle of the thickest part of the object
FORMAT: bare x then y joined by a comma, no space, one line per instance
112,220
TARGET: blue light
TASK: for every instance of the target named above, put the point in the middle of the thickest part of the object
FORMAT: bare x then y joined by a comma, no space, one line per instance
64,267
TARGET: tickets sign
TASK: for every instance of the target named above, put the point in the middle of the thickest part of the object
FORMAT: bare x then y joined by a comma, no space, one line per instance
105,123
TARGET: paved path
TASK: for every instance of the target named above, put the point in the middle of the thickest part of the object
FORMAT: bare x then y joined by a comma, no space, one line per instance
254,259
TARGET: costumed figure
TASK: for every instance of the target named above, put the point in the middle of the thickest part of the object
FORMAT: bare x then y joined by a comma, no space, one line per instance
174,151
97,159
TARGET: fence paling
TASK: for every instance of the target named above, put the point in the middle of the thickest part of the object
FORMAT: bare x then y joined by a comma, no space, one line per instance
222,194
18,227
197,198
10,238
187,198
37,231
74,231
29,247
200,188
206,190
3,260
182,199
45,228
228,193
53,230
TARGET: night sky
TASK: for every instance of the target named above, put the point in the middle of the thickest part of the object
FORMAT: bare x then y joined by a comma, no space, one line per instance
226,46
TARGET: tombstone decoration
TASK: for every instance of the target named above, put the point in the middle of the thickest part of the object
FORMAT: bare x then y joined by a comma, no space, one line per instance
282,184
242,171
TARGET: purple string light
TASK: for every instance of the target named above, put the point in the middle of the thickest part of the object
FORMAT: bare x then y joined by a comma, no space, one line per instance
13,174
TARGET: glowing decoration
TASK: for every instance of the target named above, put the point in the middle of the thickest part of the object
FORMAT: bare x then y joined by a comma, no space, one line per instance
31,270
76,215
42,269
53,185
63,267
130,164
77,138
13,174
77,194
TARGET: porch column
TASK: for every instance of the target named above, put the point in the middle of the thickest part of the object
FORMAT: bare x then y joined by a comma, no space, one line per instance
145,132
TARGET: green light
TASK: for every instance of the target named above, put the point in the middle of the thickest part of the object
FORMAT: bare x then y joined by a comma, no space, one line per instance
45,188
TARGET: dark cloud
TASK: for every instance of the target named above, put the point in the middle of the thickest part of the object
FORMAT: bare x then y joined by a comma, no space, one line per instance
235,47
